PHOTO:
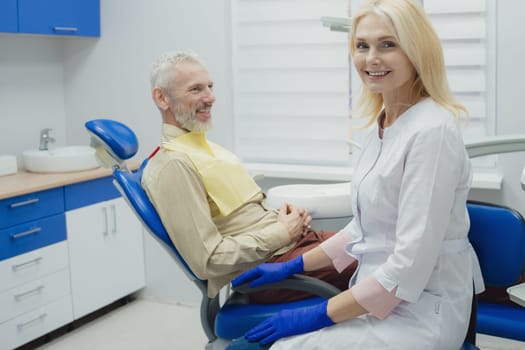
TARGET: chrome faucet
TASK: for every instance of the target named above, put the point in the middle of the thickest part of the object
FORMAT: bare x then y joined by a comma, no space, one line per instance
45,139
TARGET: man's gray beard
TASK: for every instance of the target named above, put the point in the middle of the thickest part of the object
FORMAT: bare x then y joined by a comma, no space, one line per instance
188,122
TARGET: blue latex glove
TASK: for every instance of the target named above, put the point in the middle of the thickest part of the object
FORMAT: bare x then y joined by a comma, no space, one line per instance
270,272
290,322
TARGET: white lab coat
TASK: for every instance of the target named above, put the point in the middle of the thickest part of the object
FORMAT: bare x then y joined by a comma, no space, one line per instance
409,231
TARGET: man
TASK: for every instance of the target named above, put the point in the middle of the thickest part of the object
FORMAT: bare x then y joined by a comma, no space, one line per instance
210,206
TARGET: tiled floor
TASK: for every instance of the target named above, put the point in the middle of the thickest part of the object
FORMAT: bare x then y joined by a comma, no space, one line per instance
148,325
485,342
138,325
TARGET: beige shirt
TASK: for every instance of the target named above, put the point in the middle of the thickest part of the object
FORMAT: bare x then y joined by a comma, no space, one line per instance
217,248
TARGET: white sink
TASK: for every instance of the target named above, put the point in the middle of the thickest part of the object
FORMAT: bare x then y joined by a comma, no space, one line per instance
323,201
60,159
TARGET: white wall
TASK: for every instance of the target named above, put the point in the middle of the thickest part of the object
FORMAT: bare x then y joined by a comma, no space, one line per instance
61,83
31,91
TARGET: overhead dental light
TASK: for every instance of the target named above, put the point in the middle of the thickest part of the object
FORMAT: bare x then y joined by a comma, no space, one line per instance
337,24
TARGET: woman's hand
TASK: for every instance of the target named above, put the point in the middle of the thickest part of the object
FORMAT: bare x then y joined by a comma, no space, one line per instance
290,322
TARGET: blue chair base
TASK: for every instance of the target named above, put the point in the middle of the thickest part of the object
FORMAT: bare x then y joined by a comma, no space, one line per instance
504,321
227,324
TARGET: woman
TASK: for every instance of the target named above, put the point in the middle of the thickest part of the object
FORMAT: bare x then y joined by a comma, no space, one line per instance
413,288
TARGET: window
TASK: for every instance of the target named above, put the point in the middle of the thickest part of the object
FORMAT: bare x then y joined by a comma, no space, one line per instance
290,81
291,76
467,31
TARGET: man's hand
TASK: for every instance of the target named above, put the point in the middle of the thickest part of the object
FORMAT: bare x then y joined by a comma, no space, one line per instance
307,219
295,219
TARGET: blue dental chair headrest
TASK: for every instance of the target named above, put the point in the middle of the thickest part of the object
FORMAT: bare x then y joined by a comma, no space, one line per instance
121,141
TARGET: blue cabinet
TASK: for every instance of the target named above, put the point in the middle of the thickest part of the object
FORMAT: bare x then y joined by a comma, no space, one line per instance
31,206
32,235
8,16
31,221
51,17
85,193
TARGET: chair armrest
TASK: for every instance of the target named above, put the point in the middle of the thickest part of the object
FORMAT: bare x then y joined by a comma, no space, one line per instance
517,294
300,283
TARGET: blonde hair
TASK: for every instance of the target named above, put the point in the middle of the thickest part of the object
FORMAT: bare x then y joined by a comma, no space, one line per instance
419,41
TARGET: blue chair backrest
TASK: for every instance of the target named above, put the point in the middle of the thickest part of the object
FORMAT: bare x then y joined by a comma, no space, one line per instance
129,184
121,143
498,236
115,143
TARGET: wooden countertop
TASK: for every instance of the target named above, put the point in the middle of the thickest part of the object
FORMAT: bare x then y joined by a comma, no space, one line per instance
25,182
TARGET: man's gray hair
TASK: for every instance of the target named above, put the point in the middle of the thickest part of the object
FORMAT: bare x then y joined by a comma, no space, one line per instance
162,70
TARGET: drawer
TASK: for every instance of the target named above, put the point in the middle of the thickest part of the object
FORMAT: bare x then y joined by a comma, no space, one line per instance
35,264
16,210
34,294
89,192
29,236
35,323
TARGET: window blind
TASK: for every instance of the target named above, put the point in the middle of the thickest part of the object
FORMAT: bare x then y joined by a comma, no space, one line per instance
465,29
291,82
291,76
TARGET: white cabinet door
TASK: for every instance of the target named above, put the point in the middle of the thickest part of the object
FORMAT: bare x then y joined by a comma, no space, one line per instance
106,254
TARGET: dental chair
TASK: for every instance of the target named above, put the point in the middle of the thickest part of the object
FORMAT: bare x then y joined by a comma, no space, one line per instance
221,321
497,234
115,143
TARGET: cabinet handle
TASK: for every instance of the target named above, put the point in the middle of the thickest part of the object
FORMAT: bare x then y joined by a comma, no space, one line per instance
65,29
27,323
105,212
26,202
36,290
26,264
26,233
114,214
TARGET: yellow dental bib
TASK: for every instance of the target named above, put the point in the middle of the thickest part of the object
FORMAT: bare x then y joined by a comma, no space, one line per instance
226,180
